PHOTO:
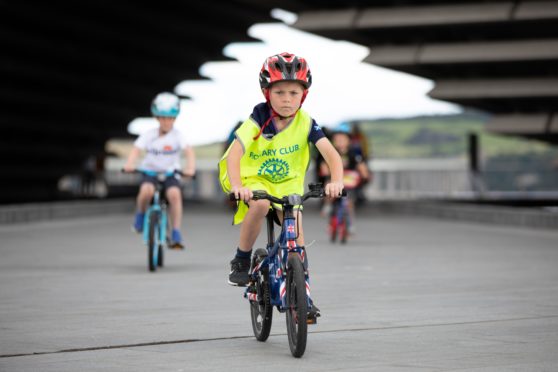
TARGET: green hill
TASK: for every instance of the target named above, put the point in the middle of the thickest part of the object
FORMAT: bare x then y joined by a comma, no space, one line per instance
442,136
432,137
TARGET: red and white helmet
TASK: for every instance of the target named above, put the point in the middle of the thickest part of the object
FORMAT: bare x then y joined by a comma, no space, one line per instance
285,67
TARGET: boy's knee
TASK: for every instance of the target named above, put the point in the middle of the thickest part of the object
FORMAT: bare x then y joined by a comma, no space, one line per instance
259,207
147,189
173,193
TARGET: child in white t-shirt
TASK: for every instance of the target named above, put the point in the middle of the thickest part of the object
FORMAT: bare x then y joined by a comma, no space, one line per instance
163,147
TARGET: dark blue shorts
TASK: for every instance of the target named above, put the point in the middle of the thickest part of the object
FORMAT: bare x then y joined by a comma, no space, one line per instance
169,182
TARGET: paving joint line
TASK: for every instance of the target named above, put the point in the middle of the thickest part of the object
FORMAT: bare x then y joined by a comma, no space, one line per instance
185,341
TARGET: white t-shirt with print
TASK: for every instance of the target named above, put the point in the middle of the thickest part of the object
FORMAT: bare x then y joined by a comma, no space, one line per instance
162,153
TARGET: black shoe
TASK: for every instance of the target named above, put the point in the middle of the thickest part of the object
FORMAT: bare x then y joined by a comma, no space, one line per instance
239,272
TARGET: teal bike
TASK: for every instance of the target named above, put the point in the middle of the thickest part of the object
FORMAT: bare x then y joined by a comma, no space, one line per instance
156,224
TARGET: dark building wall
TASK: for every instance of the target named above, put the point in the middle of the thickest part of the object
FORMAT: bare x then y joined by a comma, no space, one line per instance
75,74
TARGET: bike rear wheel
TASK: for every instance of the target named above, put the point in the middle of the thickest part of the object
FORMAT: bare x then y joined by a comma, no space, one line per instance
261,311
343,230
153,243
345,225
297,306
333,228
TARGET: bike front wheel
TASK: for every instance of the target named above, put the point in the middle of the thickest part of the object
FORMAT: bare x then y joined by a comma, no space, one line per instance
261,310
153,243
160,257
297,306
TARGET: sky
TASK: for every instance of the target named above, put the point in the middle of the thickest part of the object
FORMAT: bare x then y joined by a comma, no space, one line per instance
343,87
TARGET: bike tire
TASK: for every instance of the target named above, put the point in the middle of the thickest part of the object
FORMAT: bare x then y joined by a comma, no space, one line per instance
343,231
160,257
261,313
152,242
345,226
333,228
297,306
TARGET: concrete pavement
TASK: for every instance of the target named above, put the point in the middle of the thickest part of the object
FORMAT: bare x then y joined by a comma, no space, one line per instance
406,294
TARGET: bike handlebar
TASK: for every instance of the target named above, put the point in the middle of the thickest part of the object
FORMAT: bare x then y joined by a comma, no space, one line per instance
155,173
316,191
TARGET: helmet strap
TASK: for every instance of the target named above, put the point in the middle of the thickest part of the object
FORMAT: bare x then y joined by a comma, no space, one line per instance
275,114
304,94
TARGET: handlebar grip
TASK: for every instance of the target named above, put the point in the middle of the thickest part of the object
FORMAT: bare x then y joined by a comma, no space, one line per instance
343,192
260,194
256,195
179,172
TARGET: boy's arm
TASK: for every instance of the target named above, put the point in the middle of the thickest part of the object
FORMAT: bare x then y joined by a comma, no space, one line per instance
363,170
233,172
324,169
331,156
132,158
190,168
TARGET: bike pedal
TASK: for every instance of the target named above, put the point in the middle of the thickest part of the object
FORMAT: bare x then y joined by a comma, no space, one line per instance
311,320
251,288
176,246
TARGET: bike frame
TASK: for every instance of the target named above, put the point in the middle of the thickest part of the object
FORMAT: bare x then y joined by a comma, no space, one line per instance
159,206
277,259
341,211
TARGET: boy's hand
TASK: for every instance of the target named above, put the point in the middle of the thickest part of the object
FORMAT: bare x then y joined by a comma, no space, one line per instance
128,168
333,189
188,172
242,193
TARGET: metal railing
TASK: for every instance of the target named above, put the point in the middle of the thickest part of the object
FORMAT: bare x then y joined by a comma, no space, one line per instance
392,179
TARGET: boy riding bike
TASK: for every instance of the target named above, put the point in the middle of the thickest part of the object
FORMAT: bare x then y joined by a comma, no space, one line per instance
271,153
354,168
163,147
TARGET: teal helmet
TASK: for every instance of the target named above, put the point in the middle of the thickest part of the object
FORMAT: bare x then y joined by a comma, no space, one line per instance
166,104
344,128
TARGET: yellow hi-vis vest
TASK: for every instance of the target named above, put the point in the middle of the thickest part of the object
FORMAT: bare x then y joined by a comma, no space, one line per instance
277,165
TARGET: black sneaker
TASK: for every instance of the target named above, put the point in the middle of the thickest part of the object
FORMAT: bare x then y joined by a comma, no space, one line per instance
239,272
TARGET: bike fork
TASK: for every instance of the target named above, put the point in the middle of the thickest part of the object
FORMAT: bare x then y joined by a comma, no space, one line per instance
163,227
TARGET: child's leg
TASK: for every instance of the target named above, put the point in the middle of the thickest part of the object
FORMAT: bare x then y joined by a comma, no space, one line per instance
174,196
300,231
249,231
146,192
251,226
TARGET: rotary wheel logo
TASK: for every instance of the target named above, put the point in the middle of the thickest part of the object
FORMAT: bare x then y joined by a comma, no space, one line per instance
274,169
